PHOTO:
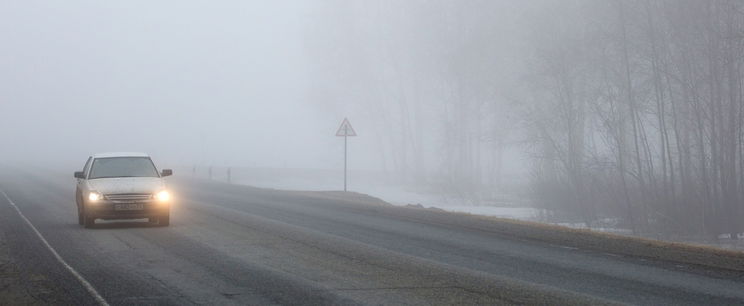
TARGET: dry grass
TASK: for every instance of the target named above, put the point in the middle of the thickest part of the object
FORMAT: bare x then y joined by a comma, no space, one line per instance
684,253
349,197
14,290
674,252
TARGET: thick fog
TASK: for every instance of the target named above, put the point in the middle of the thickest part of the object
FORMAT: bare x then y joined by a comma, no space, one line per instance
235,83
186,81
610,113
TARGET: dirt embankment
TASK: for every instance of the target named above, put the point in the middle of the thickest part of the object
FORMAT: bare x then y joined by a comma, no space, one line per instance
673,252
702,256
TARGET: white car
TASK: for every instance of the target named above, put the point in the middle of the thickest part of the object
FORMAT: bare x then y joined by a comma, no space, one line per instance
122,186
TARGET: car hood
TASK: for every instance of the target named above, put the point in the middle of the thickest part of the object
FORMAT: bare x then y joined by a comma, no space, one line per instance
127,185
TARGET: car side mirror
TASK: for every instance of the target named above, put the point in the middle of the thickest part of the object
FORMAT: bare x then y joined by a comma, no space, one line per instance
79,174
167,172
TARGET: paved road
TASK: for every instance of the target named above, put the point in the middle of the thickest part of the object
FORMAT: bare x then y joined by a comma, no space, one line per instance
240,245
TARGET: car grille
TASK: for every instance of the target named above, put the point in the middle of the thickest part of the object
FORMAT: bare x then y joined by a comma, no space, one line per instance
128,197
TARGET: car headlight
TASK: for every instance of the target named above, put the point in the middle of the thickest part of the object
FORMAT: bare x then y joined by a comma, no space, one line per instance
163,196
94,196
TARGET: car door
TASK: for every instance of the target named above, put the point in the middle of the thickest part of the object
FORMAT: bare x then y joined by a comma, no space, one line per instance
81,183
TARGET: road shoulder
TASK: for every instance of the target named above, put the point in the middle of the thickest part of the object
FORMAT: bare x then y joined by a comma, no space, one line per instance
29,274
17,288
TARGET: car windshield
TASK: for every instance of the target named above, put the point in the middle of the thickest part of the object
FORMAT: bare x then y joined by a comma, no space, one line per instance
122,167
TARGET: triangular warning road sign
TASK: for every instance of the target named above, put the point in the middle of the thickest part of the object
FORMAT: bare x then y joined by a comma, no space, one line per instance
345,129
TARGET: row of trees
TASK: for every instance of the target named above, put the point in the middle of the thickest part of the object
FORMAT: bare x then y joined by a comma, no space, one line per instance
629,110
637,113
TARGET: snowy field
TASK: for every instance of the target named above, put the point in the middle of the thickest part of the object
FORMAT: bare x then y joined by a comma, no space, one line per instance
372,183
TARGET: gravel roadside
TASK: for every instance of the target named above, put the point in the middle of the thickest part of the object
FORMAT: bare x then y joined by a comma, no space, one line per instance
17,288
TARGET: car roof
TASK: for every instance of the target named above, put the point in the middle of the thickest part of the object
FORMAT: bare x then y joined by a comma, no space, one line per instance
120,154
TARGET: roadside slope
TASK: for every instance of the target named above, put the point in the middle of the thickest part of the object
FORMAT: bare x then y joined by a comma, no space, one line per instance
478,244
673,252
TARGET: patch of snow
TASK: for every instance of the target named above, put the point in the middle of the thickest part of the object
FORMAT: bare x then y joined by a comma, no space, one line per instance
373,184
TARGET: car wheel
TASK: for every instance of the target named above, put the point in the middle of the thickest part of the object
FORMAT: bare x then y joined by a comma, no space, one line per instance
81,219
89,220
164,220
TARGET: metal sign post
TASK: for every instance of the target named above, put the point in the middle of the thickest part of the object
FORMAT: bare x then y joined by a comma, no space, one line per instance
345,130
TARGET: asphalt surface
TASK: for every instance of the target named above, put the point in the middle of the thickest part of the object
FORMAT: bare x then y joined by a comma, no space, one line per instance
240,245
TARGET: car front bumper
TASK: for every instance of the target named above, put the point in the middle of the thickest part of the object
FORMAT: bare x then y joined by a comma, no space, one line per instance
107,210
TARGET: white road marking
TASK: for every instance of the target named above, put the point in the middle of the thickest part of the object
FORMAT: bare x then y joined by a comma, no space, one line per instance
562,246
101,301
